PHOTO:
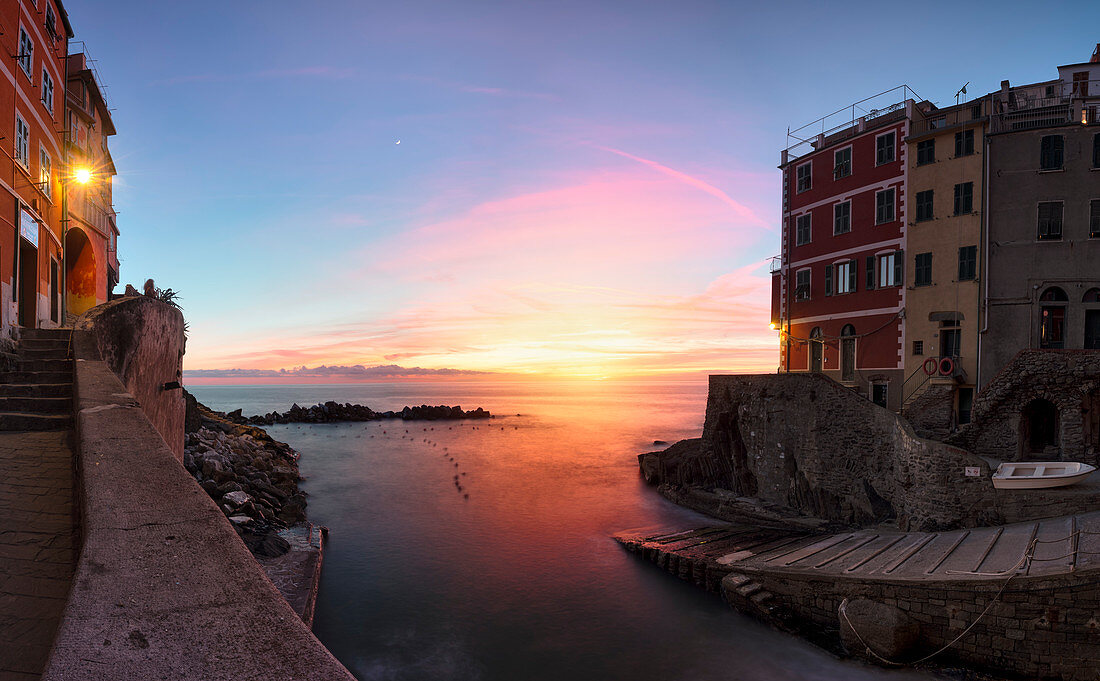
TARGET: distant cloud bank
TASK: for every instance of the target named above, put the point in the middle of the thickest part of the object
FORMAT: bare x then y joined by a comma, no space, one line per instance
323,371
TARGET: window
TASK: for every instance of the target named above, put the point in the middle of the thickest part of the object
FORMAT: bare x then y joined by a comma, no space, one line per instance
1096,150
846,277
842,218
889,269
26,52
51,24
842,163
870,266
950,338
802,285
802,230
1094,219
1050,152
803,172
47,90
918,347
1050,221
968,263
926,152
22,142
884,206
964,198
924,205
922,269
1052,318
884,148
44,172
964,143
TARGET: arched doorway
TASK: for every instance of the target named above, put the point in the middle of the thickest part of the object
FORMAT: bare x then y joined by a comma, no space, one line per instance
817,348
1052,318
1038,428
848,353
80,294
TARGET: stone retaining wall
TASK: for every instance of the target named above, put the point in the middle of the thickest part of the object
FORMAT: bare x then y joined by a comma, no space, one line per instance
803,445
164,588
1056,616
142,340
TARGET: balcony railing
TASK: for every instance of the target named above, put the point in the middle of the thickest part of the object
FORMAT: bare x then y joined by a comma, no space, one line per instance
944,121
1028,119
853,119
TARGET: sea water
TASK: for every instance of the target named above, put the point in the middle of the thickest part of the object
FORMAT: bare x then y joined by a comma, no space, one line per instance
511,573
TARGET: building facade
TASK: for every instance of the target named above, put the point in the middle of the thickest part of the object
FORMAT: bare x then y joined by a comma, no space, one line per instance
837,290
91,232
943,242
1043,288
36,36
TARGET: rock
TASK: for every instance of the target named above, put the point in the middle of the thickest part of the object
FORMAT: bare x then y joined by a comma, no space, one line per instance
236,499
886,630
266,545
211,488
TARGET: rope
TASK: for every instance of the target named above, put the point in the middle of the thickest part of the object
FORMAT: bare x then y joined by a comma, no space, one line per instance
842,610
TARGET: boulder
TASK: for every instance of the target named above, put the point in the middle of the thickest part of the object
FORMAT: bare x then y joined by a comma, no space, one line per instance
887,631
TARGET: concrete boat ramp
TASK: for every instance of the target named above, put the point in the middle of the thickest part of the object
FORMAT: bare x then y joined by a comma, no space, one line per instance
1019,599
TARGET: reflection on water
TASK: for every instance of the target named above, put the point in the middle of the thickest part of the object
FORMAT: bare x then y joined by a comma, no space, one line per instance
520,580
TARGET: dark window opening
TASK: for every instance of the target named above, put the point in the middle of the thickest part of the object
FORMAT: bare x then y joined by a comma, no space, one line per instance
1052,327
968,263
879,393
1049,226
884,206
926,152
842,163
802,230
842,218
1051,154
817,347
966,405
964,198
922,270
1092,329
848,353
804,179
884,148
1038,427
802,285
950,340
964,143
1094,219
924,205
918,347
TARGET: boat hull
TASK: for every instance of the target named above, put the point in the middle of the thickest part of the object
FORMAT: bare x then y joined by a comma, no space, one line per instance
1038,475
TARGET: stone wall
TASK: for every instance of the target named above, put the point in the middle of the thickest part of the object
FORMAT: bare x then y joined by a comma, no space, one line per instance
1063,377
142,340
164,588
1056,616
932,412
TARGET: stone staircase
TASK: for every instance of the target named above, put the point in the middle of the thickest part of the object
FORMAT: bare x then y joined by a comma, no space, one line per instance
38,395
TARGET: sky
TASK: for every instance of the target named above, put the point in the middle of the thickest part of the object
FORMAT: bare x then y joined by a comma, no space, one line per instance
575,189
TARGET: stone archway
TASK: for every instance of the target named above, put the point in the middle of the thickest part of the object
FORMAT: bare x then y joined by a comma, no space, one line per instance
80,272
1038,429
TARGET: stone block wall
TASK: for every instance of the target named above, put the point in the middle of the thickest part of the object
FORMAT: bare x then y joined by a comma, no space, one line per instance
932,413
1063,377
805,442
1056,616
142,340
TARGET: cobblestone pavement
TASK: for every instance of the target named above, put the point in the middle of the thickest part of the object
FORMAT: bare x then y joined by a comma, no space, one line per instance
37,548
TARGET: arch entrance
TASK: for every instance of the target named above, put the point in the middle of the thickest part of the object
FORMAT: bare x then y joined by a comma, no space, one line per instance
79,272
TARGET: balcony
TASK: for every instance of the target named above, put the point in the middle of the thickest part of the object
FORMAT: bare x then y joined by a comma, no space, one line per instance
1045,105
854,119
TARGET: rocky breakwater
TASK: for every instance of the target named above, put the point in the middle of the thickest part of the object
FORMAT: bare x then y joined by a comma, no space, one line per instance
334,412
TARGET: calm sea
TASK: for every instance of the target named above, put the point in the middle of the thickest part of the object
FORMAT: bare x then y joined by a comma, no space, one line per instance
519,579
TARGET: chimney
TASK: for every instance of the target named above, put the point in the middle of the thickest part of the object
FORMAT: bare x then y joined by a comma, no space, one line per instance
1095,55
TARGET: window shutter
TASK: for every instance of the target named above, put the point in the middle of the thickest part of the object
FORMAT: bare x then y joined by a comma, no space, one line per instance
870,272
899,258
852,266
828,280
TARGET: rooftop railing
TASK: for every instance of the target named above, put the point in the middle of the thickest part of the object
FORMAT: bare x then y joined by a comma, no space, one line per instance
885,107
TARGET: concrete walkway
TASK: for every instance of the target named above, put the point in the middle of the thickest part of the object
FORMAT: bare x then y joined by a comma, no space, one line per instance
37,549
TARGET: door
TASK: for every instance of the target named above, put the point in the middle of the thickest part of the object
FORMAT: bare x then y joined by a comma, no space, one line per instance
55,292
879,393
28,285
816,349
1092,329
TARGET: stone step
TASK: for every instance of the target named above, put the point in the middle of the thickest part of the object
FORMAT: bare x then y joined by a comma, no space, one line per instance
45,334
36,376
37,405
46,365
43,343
14,420
36,390
44,353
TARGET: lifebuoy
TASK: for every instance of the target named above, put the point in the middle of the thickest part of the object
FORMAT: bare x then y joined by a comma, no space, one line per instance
946,366
930,366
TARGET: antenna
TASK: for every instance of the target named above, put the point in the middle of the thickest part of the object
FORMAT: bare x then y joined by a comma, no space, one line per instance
962,91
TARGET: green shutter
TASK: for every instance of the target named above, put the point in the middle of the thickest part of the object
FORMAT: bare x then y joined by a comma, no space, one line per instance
852,266
899,258
828,280
870,273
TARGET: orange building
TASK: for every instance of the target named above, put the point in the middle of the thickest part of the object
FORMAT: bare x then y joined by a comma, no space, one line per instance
35,35
91,233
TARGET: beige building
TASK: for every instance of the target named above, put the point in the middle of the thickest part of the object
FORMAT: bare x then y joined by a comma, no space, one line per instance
944,204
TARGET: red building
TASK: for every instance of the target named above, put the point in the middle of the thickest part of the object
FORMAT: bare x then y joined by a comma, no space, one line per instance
837,289
35,33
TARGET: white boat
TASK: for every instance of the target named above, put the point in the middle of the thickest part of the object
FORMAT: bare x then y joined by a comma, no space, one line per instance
1040,474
